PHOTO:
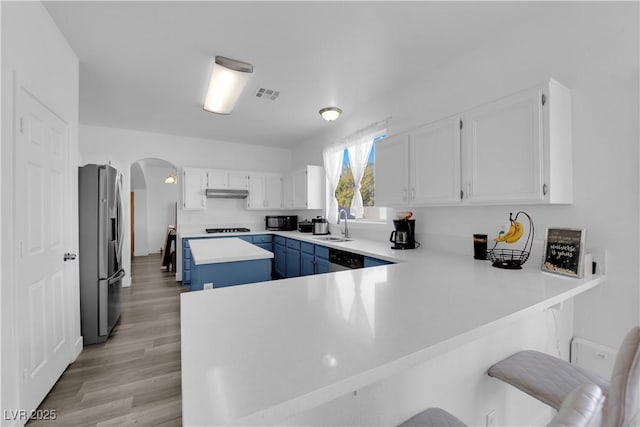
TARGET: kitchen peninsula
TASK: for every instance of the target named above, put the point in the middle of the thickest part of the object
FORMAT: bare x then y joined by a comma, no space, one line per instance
260,354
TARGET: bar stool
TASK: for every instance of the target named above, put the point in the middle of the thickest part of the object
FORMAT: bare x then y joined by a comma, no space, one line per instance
550,379
581,408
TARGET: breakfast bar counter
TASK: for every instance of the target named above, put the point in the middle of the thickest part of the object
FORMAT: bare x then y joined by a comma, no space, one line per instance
258,354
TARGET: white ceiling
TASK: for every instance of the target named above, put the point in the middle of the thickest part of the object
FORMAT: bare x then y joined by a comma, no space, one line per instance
145,65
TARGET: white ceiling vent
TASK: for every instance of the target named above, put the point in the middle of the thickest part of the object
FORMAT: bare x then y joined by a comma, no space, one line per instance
267,94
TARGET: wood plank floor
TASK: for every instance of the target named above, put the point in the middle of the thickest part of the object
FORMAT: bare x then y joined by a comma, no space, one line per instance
134,377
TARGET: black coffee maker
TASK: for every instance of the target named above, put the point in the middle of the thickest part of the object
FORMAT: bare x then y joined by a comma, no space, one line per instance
404,236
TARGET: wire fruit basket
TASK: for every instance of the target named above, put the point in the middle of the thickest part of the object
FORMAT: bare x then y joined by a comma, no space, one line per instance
512,259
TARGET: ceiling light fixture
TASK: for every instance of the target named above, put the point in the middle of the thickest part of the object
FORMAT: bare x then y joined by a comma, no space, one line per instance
228,79
330,113
171,179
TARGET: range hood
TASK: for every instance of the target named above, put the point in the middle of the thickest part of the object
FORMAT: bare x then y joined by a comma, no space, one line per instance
216,193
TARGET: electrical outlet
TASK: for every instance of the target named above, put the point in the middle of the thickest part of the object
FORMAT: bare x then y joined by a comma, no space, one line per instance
208,286
491,419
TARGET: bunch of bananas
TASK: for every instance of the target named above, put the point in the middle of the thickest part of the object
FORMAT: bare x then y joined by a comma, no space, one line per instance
513,235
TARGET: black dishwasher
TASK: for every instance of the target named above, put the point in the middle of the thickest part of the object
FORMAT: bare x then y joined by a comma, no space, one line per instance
342,260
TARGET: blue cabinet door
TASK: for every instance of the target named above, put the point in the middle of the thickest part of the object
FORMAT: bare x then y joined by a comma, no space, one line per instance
373,262
322,265
321,259
267,246
186,263
293,262
280,260
307,264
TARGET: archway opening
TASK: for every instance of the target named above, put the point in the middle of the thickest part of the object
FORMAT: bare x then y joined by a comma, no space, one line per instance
154,197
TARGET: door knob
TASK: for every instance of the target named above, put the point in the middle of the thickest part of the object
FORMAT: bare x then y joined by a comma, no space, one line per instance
69,256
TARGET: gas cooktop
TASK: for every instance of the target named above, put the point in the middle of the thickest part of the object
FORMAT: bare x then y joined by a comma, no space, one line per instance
227,230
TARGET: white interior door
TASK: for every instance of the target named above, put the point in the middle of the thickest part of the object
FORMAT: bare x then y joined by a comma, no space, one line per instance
42,211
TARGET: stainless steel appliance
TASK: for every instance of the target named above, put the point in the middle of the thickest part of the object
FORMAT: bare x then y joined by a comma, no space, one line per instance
320,225
341,260
403,237
281,222
305,226
101,233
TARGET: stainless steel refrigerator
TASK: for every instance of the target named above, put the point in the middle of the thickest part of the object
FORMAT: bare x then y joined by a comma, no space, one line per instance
101,237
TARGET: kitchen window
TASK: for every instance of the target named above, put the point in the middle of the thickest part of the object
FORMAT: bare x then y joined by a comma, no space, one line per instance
346,184
350,169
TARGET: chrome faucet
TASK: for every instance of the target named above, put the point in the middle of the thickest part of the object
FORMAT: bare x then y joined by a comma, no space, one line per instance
345,233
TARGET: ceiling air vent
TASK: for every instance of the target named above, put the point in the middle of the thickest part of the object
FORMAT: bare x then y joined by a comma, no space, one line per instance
267,94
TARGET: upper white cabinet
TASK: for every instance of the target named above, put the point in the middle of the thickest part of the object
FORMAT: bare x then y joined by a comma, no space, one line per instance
226,180
265,191
275,193
194,184
304,188
434,163
392,165
514,150
518,149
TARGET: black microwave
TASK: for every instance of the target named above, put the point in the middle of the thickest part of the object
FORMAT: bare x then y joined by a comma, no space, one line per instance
281,222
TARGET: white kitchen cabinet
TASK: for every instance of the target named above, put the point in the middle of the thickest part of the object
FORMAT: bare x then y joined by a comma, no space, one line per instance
392,166
226,180
287,191
518,148
275,192
304,188
434,163
194,184
237,180
265,192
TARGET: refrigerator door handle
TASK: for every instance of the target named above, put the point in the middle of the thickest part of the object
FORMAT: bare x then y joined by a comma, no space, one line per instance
103,223
118,276
120,214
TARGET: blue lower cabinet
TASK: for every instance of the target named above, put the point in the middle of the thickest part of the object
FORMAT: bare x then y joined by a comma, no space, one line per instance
186,263
292,266
322,265
266,246
262,238
307,264
321,259
279,260
374,262
293,262
245,238
230,273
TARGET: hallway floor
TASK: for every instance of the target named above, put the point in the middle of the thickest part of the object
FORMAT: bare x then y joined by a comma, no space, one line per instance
134,377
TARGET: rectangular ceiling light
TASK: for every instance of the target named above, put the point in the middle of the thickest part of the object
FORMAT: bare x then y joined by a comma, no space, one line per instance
228,79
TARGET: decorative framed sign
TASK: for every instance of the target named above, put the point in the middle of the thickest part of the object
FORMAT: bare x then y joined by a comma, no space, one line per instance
563,251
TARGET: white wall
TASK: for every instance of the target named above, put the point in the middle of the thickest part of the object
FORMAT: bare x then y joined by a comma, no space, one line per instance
36,54
593,49
123,147
160,206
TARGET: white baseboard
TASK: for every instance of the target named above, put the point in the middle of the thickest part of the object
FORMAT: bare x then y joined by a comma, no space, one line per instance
77,348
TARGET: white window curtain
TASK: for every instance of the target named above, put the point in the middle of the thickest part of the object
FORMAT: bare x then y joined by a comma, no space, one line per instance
358,159
332,158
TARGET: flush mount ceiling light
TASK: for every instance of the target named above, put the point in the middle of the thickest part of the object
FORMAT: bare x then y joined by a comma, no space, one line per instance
171,179
228,79
330,113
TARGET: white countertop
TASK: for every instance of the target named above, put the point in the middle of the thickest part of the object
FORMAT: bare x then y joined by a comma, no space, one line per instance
213,251
258,353
381,250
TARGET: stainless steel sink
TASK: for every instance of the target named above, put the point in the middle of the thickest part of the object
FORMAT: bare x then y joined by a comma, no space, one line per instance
332,239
